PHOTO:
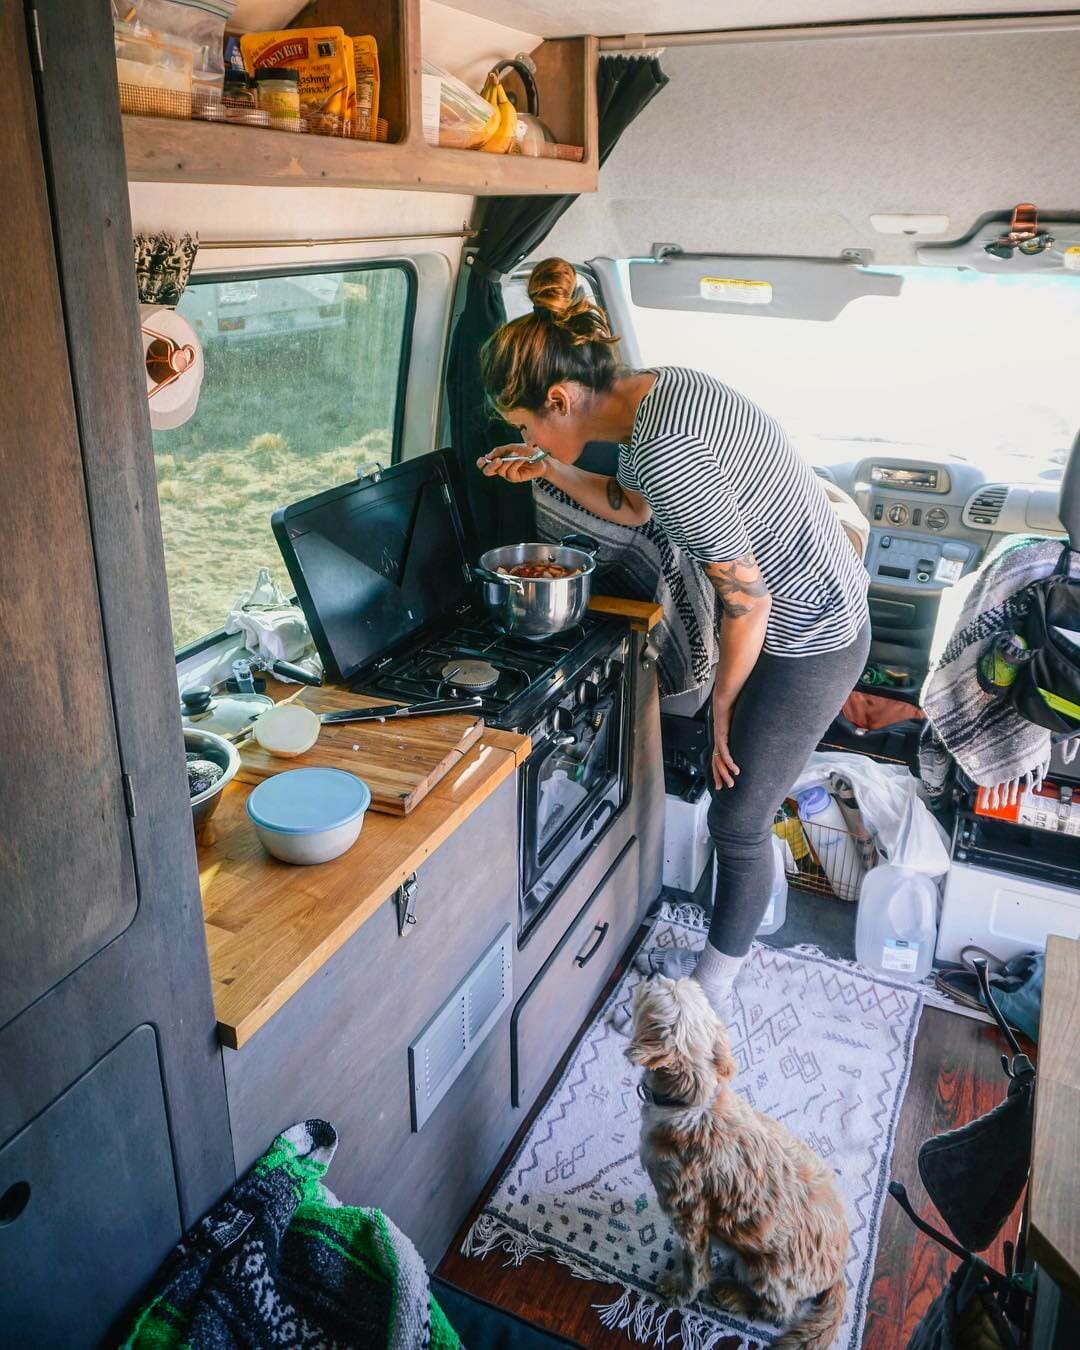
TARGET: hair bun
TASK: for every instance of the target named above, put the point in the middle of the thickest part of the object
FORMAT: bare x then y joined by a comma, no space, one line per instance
554,292
553,287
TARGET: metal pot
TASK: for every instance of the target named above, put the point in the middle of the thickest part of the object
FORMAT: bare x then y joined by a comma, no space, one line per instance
537,608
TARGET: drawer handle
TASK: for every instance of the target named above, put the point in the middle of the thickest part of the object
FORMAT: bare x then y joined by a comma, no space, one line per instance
13,1201
583,958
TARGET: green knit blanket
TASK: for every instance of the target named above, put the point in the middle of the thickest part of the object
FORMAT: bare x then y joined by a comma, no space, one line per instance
281,1262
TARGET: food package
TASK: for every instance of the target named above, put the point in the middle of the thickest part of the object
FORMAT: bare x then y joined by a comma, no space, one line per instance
154,77
366,68
324,58
197,26
454,114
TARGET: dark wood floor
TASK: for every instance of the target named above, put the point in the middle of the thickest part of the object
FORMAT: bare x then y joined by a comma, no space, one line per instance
956,1075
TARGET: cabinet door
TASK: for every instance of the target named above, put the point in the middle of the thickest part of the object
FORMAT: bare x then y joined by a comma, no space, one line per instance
88,1204
65,850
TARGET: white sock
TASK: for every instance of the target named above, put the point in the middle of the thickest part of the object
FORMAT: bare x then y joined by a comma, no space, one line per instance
715,972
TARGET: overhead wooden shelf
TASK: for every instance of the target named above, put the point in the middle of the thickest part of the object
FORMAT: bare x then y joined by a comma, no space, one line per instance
166,150
162,150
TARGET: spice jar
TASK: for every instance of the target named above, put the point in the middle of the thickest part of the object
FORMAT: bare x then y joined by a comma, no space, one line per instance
238,94
277,89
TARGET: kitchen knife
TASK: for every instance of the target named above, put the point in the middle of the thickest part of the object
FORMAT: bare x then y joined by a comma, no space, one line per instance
435,708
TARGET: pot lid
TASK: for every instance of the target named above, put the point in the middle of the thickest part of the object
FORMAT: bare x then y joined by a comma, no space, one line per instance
227,714
308,801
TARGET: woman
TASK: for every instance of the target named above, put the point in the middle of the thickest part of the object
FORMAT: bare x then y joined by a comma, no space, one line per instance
720,477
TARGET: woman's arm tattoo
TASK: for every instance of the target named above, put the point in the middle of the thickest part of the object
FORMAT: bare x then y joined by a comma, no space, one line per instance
616,498
736,583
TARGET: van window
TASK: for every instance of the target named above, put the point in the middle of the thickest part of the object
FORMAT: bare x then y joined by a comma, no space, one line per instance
961,362
304,385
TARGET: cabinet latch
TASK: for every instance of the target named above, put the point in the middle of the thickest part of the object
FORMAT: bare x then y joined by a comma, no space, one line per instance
405,900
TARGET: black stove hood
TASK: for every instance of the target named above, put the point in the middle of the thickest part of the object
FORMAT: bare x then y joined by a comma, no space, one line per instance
379,560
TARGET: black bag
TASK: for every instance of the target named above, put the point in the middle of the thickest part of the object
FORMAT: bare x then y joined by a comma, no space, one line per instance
1046,689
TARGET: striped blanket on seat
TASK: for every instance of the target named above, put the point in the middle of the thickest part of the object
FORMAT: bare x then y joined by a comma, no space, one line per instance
643,564
996,747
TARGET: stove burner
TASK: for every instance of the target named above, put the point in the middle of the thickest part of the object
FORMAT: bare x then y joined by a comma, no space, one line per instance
478,675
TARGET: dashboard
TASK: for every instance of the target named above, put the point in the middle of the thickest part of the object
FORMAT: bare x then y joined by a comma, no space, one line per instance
932,522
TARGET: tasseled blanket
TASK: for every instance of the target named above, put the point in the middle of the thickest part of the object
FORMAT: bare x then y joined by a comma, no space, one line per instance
281,1262
996,747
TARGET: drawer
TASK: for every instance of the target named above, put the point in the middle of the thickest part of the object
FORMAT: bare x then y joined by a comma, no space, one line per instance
552,1009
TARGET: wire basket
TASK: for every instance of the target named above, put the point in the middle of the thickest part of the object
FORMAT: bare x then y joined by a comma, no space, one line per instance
827,861
149,101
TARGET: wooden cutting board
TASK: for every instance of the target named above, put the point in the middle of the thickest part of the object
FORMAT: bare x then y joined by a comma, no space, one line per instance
401,761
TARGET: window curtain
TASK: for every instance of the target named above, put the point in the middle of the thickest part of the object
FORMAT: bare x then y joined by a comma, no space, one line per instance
511,229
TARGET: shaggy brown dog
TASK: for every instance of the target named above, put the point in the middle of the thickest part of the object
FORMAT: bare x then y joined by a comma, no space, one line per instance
723,1171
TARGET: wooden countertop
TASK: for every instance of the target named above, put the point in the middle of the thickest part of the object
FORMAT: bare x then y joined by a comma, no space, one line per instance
270,926
642,615
1054,1203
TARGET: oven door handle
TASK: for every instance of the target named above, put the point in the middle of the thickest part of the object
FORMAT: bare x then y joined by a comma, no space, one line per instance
584,957
605,808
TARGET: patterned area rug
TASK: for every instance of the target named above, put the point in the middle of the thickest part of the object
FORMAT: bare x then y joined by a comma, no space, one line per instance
820,1045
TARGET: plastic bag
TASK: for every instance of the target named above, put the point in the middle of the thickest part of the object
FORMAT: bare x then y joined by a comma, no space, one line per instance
454,114
897,819
273,627
197,24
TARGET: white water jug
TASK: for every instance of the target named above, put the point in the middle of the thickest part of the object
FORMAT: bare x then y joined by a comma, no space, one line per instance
776,910
896,928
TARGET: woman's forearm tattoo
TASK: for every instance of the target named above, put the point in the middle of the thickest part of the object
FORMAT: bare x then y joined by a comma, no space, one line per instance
616,498
737,583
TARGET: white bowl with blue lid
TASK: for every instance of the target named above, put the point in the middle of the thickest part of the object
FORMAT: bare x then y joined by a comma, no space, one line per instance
309,815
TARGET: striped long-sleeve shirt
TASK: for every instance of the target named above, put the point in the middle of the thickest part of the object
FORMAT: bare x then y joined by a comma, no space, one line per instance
723,480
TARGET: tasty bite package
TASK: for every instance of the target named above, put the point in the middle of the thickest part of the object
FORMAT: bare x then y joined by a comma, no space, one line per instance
324,57
366,56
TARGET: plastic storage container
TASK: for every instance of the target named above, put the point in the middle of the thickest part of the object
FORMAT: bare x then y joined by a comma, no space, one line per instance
896,927
309,815
776,910
832,841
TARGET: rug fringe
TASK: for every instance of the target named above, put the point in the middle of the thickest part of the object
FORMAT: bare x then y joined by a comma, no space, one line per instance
691,916
645,1320
643,1317
488,1235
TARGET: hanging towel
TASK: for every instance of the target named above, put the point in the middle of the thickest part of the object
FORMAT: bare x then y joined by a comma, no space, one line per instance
163,263
642,563
281,1262
994,746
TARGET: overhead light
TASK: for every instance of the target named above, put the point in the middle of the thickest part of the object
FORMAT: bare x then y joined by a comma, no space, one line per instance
909,222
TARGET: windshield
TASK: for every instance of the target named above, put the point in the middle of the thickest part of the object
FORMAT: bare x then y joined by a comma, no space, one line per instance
960,364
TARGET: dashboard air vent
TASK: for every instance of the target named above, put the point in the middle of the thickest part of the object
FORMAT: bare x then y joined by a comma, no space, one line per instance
985,506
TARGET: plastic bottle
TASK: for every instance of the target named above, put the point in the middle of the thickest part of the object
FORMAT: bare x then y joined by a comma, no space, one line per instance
776,910
834,844
896,928
789,827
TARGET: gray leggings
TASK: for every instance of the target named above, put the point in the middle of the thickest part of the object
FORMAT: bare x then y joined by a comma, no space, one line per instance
784,709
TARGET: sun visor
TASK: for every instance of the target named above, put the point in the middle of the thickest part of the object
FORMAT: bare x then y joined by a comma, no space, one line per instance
771,288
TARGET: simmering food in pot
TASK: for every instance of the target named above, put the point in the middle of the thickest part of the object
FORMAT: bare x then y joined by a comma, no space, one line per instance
539,571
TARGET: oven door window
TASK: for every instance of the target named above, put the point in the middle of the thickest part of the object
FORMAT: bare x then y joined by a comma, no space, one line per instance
573,773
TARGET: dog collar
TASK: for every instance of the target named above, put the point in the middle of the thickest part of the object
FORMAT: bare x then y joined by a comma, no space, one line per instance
657,1098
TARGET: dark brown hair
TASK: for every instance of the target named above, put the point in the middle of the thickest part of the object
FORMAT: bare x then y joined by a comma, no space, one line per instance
566,337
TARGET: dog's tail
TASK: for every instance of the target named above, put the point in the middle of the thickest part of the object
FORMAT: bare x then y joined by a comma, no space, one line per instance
818,1328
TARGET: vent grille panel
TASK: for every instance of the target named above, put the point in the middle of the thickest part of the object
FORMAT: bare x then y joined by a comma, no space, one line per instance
486,992
984,508
438,1056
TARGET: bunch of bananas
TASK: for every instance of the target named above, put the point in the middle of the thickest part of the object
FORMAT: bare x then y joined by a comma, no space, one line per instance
498,136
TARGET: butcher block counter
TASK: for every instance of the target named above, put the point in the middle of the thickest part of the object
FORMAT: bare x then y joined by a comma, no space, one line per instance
270,925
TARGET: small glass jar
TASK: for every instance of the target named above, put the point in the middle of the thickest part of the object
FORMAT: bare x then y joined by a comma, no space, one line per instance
277,90
238,93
